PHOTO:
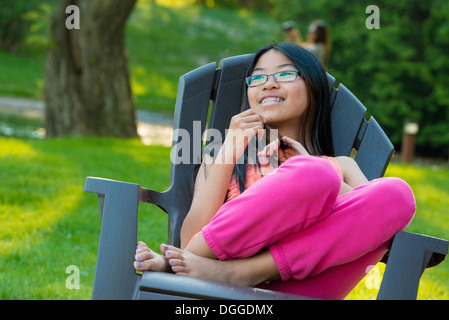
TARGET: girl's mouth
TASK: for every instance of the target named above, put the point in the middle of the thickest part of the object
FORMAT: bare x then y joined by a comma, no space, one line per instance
271,100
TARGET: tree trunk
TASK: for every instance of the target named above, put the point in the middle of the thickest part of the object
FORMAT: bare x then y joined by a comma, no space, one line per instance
87,90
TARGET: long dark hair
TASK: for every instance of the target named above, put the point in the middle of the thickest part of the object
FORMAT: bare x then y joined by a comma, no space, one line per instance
316,130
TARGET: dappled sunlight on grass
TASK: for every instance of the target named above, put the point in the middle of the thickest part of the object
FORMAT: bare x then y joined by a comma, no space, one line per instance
34,199
434,284
368,287
174,3
137,87
15,148
49,223
431,189
143,81
20,224
430,186
146,9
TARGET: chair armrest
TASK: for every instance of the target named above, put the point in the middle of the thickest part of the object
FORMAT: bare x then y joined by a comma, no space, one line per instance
410,255
115,277
161,285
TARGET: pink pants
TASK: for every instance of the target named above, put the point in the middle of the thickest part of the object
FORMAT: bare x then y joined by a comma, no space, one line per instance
321,244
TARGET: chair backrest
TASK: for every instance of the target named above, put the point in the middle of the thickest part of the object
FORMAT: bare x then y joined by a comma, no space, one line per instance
210,96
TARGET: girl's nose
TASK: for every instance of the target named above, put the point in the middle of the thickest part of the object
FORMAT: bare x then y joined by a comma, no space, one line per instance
271,83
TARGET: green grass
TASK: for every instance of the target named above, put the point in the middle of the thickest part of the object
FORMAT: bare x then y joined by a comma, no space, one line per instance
49,223
431,188
21,75
162,44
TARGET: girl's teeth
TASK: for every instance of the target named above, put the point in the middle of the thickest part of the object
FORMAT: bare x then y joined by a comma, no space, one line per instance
268,100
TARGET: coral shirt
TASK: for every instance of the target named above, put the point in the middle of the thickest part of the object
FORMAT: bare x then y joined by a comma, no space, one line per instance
253,174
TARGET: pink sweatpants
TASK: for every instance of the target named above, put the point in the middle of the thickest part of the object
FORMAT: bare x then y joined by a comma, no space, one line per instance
321,244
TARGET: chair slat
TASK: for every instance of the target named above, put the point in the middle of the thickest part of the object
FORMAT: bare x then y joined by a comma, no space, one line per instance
192,104
346,117
228,100
374,152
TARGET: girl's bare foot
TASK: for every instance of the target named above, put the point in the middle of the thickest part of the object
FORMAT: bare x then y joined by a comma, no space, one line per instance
148,260
186,263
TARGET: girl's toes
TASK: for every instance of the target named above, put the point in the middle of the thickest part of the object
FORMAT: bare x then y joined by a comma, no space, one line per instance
176,262
177,266
171,254
164,247
138,265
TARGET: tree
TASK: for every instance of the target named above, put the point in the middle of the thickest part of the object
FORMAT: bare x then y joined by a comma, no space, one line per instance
87,90
13,25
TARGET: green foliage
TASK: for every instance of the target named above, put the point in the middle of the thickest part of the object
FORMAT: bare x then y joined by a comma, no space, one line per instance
398,71
19,18
12,25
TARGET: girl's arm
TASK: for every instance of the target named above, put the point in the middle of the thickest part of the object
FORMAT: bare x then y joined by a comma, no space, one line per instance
214,176
209,194
352,175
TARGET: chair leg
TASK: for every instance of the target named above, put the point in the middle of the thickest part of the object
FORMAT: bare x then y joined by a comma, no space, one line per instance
410,255
115,277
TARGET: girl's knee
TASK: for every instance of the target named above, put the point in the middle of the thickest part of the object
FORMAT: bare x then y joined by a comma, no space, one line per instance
313,169
396,194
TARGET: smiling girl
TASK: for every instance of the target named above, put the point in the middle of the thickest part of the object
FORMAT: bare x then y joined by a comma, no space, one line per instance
311,224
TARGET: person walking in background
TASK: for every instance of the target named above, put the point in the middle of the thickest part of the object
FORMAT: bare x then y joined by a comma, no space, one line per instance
318,39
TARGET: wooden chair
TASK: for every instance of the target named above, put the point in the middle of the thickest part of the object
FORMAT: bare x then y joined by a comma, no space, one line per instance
115,277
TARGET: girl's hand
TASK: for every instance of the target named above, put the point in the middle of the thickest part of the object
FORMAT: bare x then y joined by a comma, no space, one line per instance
243,127
269,149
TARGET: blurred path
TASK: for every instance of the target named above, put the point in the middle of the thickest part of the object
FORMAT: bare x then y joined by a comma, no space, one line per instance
153,128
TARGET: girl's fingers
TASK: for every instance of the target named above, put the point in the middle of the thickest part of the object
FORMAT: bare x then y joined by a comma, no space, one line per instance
248,116
269,149
260,134
252,112
296,145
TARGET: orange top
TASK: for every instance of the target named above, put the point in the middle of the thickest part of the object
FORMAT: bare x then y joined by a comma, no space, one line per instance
253,174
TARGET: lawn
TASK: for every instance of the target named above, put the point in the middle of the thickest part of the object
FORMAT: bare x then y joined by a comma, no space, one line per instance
49,223
431,188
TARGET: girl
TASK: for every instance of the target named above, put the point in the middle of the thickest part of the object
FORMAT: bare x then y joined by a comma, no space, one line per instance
311,226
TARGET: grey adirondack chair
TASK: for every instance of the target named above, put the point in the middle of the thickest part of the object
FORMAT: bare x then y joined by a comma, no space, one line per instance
115,277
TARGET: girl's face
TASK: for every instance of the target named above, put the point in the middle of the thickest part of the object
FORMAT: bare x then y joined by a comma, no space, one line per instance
282,104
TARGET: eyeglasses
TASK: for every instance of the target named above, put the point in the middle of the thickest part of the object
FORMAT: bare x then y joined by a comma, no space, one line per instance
282,76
